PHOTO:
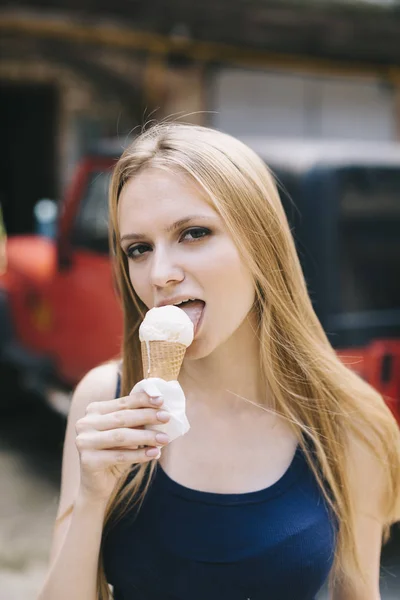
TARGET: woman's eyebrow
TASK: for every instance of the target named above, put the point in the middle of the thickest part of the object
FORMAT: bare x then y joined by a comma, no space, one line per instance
169,229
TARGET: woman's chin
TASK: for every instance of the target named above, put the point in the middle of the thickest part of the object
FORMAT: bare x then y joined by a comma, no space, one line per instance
198,349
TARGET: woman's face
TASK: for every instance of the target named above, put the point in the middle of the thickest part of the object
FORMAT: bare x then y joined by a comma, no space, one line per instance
178,248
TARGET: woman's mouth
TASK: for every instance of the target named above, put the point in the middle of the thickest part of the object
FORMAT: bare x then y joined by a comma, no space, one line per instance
194,310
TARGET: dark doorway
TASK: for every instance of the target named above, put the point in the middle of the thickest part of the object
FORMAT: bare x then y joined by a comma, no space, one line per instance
28,151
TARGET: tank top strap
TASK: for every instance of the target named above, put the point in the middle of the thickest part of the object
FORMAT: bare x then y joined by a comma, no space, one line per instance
118,388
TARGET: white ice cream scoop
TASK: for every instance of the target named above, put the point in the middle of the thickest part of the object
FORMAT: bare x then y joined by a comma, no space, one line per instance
168,324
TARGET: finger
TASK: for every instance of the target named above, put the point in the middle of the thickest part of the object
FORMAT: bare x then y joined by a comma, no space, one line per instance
136,400
118,438
96,461
124,418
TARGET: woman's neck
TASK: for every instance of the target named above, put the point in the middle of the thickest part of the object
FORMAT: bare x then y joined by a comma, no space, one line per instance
225,379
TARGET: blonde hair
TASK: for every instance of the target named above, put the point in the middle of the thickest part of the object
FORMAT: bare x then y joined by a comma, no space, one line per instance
323,400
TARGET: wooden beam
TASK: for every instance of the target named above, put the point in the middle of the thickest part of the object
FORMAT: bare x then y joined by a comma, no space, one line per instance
118,36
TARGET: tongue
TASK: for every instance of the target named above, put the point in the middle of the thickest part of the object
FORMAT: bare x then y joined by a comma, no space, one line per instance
194,310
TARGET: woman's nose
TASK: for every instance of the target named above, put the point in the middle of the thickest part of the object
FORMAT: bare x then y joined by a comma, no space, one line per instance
164,269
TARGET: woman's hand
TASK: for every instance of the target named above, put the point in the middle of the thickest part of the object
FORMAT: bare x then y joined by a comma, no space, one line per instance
111,437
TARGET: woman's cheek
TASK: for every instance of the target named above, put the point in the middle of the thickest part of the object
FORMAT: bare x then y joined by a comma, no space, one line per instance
132,278
138,286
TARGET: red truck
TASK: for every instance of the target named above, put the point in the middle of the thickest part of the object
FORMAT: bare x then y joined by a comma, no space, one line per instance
59,314
58,310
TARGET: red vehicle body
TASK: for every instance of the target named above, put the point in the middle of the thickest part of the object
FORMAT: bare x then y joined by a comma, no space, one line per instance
59,312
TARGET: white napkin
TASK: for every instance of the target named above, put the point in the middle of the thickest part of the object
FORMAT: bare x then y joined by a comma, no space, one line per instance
174,403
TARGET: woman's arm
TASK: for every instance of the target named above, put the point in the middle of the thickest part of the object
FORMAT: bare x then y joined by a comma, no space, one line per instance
73,572
76,541
367,480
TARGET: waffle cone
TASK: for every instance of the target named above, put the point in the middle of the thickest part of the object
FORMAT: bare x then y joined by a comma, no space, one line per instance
165,359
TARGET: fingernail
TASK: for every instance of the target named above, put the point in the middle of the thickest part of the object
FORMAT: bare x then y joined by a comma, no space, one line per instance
150,388
162,438
155,452
156,401
163,415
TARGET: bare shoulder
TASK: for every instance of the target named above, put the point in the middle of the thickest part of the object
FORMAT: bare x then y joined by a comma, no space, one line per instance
369,487
367,475
97,385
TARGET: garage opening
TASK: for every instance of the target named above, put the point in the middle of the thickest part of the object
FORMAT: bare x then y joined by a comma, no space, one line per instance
28,151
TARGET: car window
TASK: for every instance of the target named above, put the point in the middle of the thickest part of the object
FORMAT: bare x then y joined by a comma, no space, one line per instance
91,225
369,238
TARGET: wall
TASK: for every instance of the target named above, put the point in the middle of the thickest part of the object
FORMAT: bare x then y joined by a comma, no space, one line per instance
274,103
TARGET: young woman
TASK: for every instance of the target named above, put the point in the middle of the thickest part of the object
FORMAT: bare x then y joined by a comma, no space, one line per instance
290,473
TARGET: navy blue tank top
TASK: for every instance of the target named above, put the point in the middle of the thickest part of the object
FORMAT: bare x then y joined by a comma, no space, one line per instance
277,543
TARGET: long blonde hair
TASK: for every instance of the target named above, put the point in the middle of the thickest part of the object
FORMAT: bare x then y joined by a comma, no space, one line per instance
323,400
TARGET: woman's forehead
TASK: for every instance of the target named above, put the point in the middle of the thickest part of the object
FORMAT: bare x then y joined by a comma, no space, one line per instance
157,192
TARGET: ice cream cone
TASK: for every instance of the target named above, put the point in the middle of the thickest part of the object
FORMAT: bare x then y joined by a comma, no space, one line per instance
162,359
165,334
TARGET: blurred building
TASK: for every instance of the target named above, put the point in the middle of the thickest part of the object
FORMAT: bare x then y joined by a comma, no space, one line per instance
74,73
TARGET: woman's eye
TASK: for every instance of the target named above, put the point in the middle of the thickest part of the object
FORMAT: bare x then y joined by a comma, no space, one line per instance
191,235
196,233
137,251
